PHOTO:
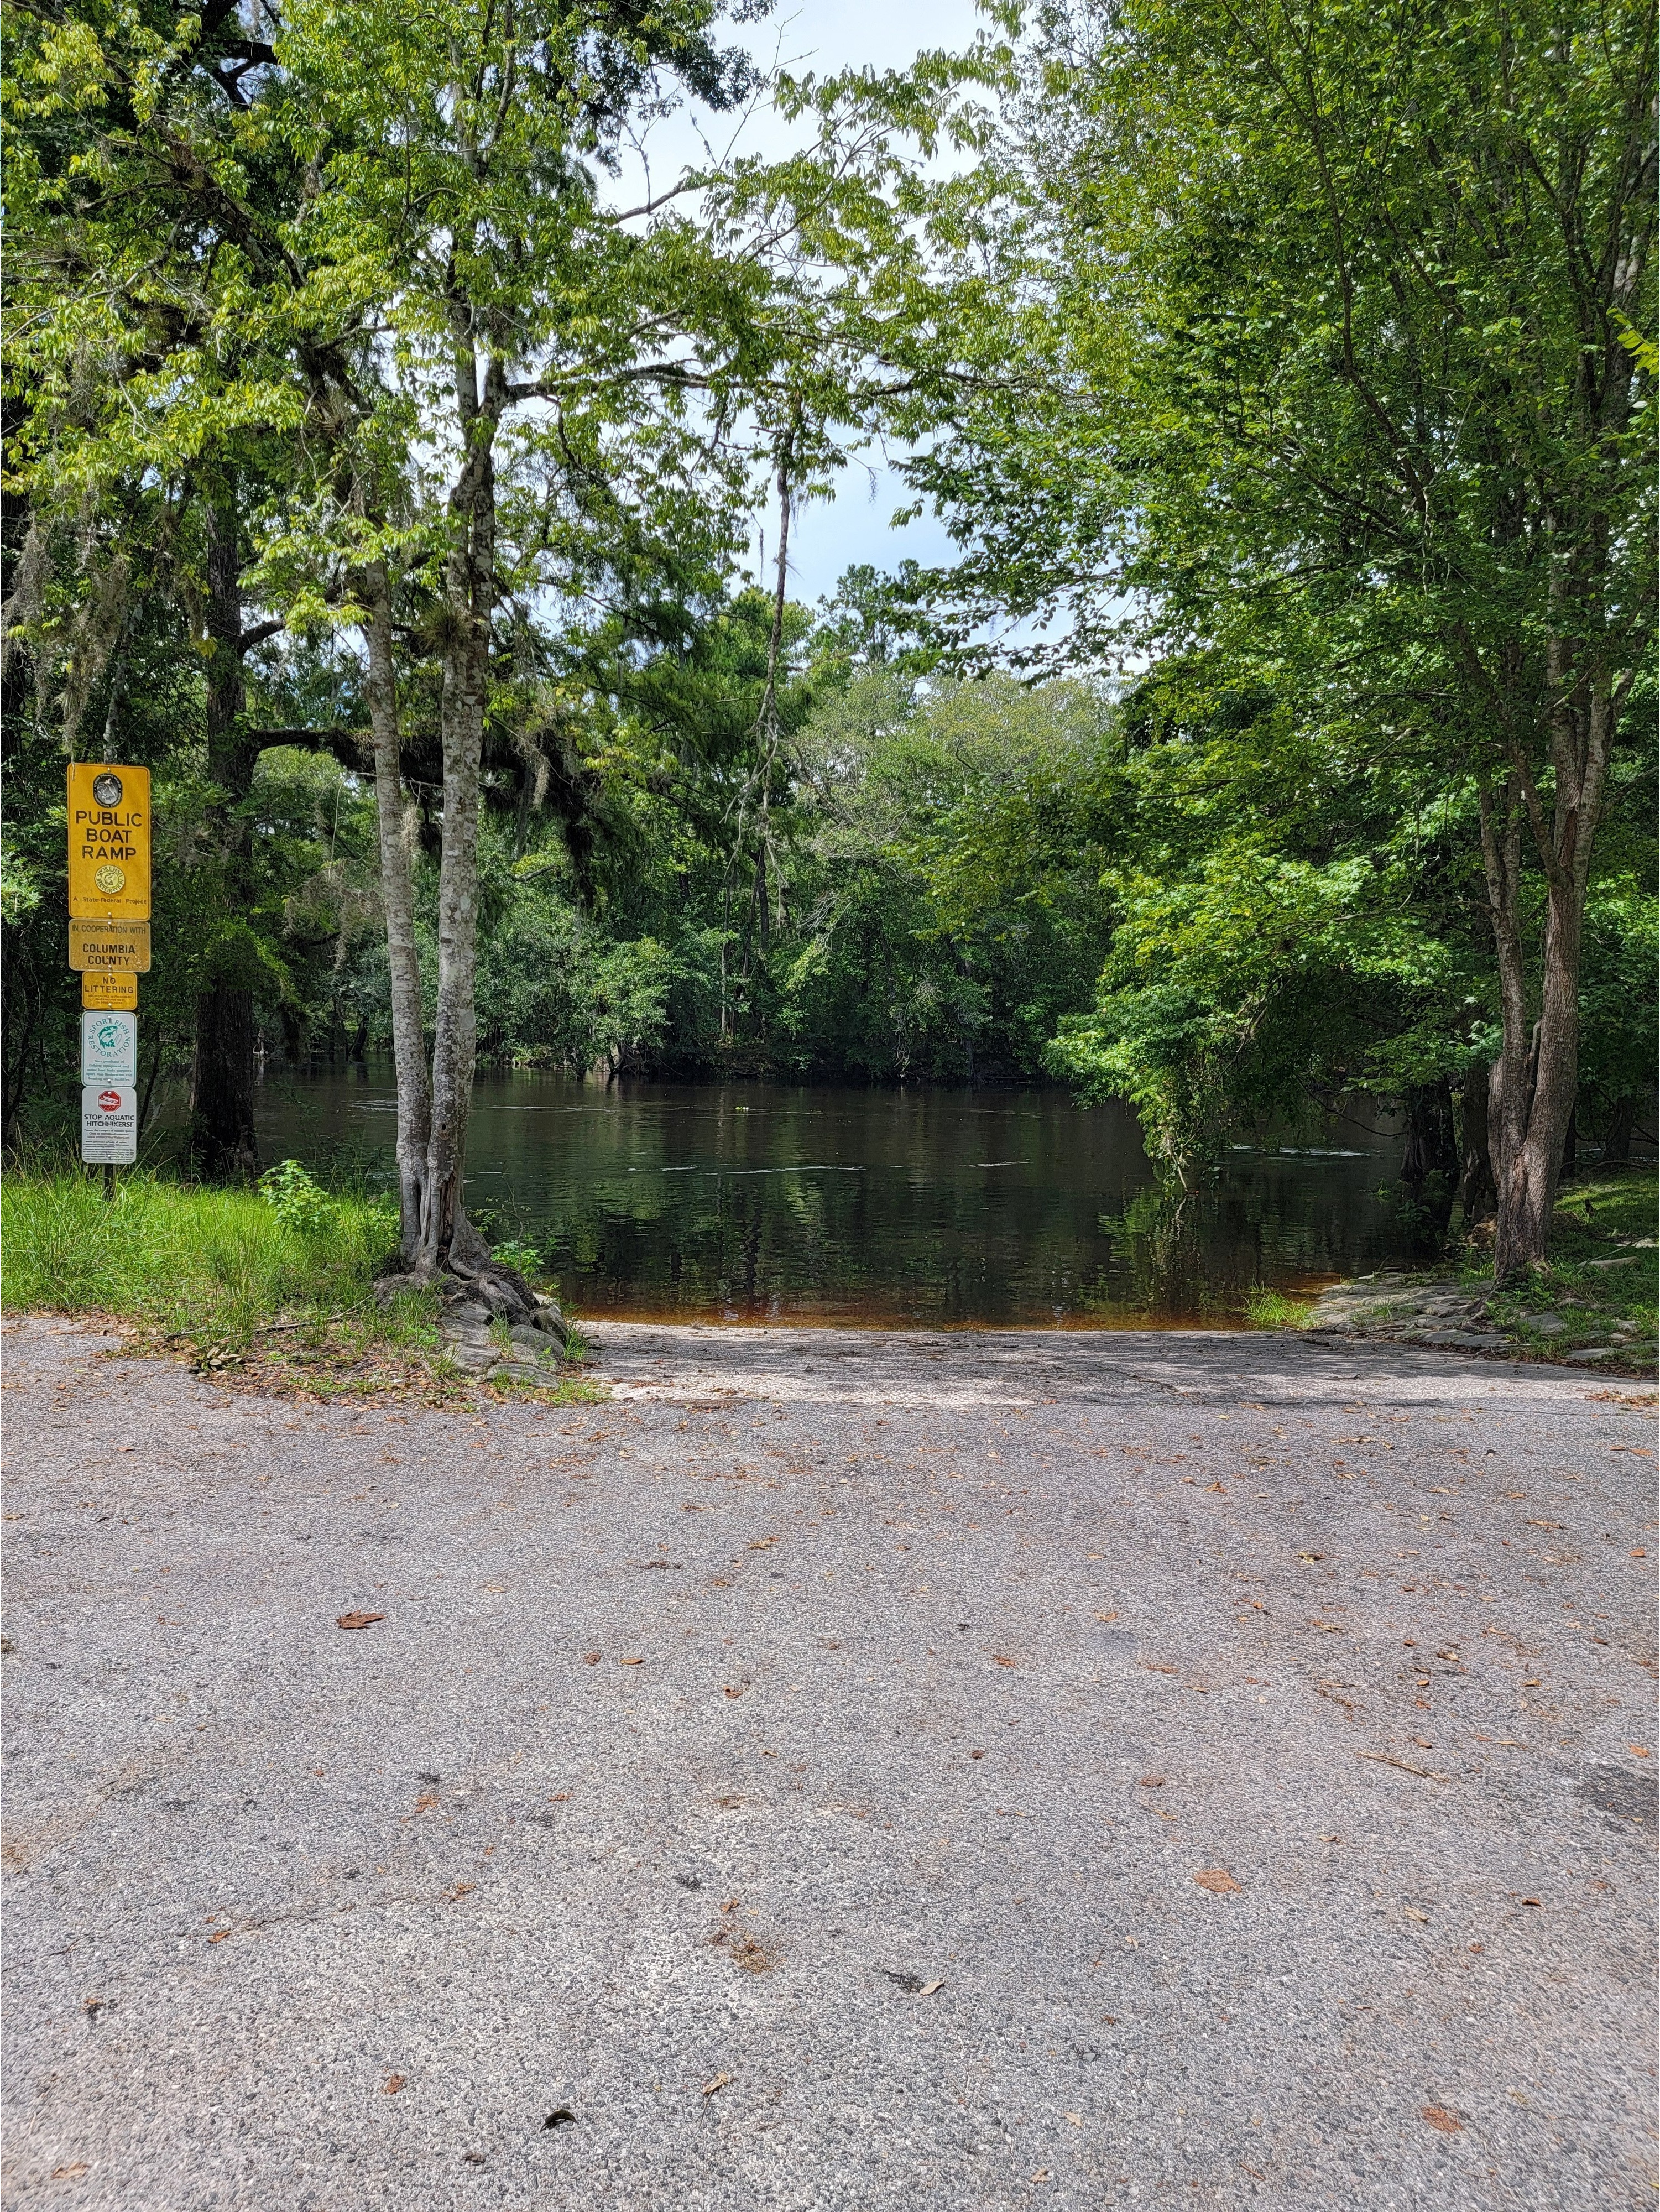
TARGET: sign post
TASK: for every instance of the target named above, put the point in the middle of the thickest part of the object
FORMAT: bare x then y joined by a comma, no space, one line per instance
109,901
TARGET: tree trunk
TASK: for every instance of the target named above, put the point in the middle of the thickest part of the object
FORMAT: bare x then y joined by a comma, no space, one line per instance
223,1147
448,1242
223,1144
1430,1147
1616,1138
1536,1079
409,1045
1476,1185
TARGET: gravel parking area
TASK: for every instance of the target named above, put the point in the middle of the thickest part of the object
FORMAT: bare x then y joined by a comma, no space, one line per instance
844,1770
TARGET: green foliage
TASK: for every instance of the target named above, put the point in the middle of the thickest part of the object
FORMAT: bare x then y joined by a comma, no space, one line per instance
297,1198
1270,351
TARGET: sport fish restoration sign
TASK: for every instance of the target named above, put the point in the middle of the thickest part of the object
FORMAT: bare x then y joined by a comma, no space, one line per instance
109,1124
109,1050
109,823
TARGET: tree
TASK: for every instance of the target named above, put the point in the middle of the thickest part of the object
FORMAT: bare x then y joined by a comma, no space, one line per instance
1299,336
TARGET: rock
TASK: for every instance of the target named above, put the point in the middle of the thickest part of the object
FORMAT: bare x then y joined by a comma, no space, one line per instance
1592,1351
473,1358
470,1313
1628,1260
550,1322
519,1370
1544,1324
531,1341
1470,1340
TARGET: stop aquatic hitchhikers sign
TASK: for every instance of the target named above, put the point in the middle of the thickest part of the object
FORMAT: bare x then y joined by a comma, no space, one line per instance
109,1124
109,1049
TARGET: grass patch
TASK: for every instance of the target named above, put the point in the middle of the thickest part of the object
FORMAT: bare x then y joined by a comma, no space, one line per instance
1266,1309
273,1288
1601,1281
182,1259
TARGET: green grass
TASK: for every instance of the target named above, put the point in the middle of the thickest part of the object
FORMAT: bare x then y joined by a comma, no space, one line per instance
182,1259
1266,1309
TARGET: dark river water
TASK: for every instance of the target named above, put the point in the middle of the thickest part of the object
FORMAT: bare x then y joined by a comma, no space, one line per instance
769,1202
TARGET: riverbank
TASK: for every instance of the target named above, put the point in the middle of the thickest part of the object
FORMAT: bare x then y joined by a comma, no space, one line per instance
1038,1771
274,1287
1595,1303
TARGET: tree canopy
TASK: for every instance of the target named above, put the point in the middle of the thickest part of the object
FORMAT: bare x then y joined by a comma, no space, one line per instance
385,481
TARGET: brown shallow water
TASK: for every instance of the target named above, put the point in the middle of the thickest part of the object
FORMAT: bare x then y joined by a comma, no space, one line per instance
761,1202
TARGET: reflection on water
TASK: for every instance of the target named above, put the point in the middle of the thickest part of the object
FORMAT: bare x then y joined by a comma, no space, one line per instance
757,1202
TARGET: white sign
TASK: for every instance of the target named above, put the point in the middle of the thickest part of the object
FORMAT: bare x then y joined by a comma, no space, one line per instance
109,1049
109,1124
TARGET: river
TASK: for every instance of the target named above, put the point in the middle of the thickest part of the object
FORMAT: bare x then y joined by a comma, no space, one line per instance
751,1201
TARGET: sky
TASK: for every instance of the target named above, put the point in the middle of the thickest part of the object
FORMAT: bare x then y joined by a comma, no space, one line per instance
826,36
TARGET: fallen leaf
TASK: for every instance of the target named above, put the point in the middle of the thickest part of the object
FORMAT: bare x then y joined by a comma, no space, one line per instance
223,1936
1041,2174
359,1620
592,1658
564,2117
70,2172
1002,1662
630,1662
1412,1913
1637,1750
1443,2121
737,1693
1151,1782
1310,1556
980,1754
1639,1555
719,2082
928,1988
1106,1616
1153,1667
392,2084
1217,1880
1077,2119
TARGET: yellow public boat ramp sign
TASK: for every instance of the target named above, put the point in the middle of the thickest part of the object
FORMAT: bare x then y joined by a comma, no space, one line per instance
109,823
